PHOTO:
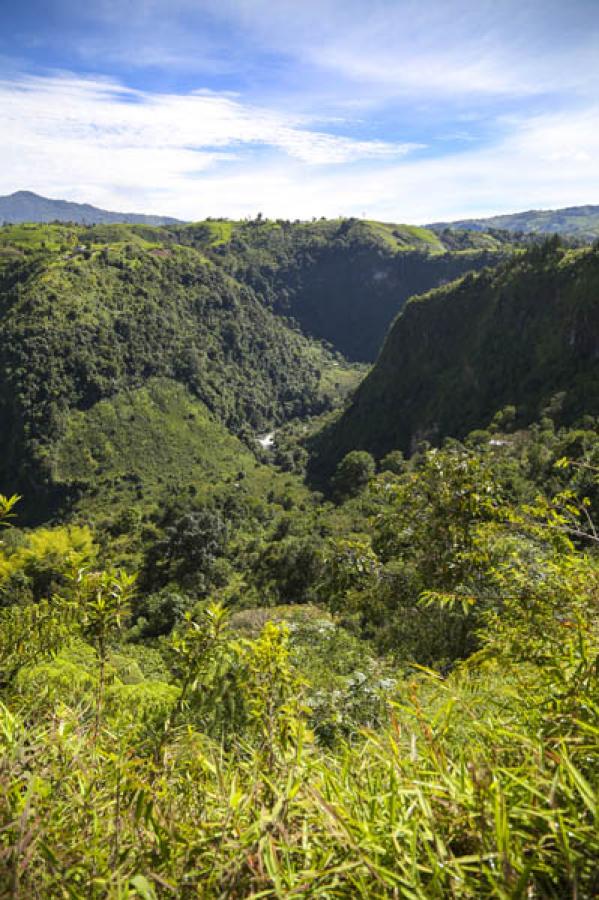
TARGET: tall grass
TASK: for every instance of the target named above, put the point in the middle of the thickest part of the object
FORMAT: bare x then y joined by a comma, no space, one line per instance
475,788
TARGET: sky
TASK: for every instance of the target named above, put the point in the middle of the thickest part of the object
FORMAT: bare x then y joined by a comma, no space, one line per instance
398,110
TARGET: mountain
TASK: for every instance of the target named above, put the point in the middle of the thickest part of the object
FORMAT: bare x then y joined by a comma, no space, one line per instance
89,313
25,206
578,221
524,334
341,280
227,311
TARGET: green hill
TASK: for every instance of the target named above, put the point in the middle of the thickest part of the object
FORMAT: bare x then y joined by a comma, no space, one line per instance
517,335
342,280
86,314
577,221
227,310
150,446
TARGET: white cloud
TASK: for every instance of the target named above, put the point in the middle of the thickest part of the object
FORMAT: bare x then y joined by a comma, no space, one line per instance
210,154
526,169
449,48
65,132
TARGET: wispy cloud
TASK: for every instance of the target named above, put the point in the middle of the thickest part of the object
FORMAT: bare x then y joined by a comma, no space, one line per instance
448,48
209,154
402,109
97,130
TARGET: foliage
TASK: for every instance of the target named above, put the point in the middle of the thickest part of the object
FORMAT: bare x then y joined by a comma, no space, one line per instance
519,335
344,280
77,330
353,474
441,800
42,561
272,752
230,686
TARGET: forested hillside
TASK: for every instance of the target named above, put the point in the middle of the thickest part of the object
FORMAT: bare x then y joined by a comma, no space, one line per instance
82,322
218,682
218,307
525,334
344,280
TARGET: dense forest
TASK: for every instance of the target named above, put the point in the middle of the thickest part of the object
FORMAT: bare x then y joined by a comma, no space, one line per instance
266,631
523,334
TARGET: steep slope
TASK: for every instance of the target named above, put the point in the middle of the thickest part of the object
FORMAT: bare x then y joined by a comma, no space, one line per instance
25,206
578,221
520,334
342,280
149,446
80,326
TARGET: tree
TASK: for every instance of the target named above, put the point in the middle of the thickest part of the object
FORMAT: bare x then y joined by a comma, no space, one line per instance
190,547
394,462
353,474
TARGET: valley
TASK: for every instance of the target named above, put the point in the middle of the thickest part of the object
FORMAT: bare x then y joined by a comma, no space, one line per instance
298,572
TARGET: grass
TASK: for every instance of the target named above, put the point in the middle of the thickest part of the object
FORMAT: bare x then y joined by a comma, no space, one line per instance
221,230
461,795
405,237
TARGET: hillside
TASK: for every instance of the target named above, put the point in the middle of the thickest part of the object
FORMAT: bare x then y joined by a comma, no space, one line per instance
341,280
25,206
216,682
517,335
80,323
577,221
218,307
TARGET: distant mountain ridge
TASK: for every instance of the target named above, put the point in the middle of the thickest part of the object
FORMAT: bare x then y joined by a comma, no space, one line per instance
578,221
25,206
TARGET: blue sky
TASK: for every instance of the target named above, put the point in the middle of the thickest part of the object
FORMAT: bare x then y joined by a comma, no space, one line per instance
394,109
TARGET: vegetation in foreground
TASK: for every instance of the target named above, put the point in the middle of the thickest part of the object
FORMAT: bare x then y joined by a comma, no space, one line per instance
395,695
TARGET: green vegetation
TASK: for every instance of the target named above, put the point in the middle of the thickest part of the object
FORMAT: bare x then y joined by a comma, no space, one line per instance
342,280
216,682
158,744
150,444
90,314
524,334
576,221
89,321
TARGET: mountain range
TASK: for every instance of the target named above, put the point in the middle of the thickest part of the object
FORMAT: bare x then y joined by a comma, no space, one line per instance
25,206
576,221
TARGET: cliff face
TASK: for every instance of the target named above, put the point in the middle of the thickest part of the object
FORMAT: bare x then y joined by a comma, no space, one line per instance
345,280
351,298
517,335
